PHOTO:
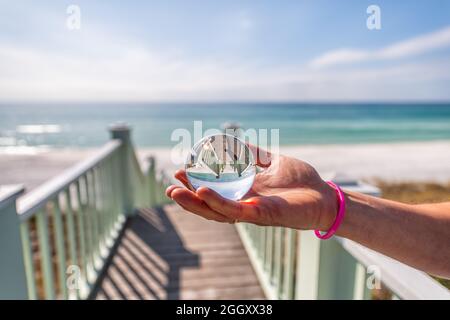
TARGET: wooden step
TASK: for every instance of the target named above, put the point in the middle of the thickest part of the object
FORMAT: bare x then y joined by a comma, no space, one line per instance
166,253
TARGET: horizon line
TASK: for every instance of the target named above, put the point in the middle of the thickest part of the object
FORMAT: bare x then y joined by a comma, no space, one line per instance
152,102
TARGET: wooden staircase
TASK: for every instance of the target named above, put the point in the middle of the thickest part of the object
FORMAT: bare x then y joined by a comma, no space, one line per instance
167,253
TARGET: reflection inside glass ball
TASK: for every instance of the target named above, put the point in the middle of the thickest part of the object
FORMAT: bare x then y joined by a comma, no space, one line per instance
222,163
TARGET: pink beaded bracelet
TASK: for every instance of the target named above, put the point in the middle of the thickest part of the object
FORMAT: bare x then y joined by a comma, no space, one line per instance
339,216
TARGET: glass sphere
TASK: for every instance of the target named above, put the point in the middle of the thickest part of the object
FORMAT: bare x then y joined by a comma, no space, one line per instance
222,163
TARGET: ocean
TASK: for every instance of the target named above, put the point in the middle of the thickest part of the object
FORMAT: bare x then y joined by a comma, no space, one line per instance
85,124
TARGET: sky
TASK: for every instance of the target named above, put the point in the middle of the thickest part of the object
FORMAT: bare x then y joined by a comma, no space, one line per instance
171,50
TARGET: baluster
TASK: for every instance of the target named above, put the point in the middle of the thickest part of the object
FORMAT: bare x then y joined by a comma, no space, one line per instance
82,234
249,232
71,228
118,189
262,245
308,266
28,259
113,194
147,183
46,255
71,233
361,290
109,201
152,182
269,246
278,260
99,189
60,247
161,195
89,230
289,267
109,208
102,187
92,204
255,234
256,239
337,270
254,230
106,204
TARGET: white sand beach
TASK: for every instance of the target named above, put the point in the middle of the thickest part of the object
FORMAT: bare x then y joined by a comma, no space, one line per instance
393,162
415,161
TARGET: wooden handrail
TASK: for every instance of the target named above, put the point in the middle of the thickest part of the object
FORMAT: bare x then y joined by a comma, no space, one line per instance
334,269
10,193
405,281
75,218
31,202
139,169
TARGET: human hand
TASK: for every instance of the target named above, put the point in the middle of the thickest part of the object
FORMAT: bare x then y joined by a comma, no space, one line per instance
287,192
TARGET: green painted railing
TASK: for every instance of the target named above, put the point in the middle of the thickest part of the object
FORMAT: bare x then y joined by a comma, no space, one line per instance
293,264
55,240
67,227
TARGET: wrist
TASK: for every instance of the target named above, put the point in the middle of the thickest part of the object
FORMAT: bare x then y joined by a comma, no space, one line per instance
330,205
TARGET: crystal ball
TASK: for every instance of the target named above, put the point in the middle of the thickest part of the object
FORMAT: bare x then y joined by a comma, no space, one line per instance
222,163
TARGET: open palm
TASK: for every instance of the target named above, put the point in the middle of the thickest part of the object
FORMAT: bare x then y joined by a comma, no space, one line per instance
287,192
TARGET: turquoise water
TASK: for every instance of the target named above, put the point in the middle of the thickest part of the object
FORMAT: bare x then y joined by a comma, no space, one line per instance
84,125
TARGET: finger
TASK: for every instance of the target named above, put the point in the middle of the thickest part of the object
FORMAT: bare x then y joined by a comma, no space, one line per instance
181,176
170,189
243,211
191,202
263,157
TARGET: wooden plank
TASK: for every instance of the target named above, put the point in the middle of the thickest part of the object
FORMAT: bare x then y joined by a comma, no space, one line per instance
155,260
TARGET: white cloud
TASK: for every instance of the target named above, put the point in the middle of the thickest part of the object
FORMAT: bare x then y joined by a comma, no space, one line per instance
104,69
340,56
410,47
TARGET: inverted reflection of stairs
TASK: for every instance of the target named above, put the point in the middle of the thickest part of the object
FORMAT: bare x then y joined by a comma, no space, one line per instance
167,253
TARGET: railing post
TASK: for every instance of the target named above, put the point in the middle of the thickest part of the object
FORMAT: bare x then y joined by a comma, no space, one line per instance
123,133
13,284
308,260
325,270
152,181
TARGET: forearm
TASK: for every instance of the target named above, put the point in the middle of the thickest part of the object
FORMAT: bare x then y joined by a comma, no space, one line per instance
418,235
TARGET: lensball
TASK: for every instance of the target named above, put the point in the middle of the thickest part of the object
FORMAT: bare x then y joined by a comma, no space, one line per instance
222,163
